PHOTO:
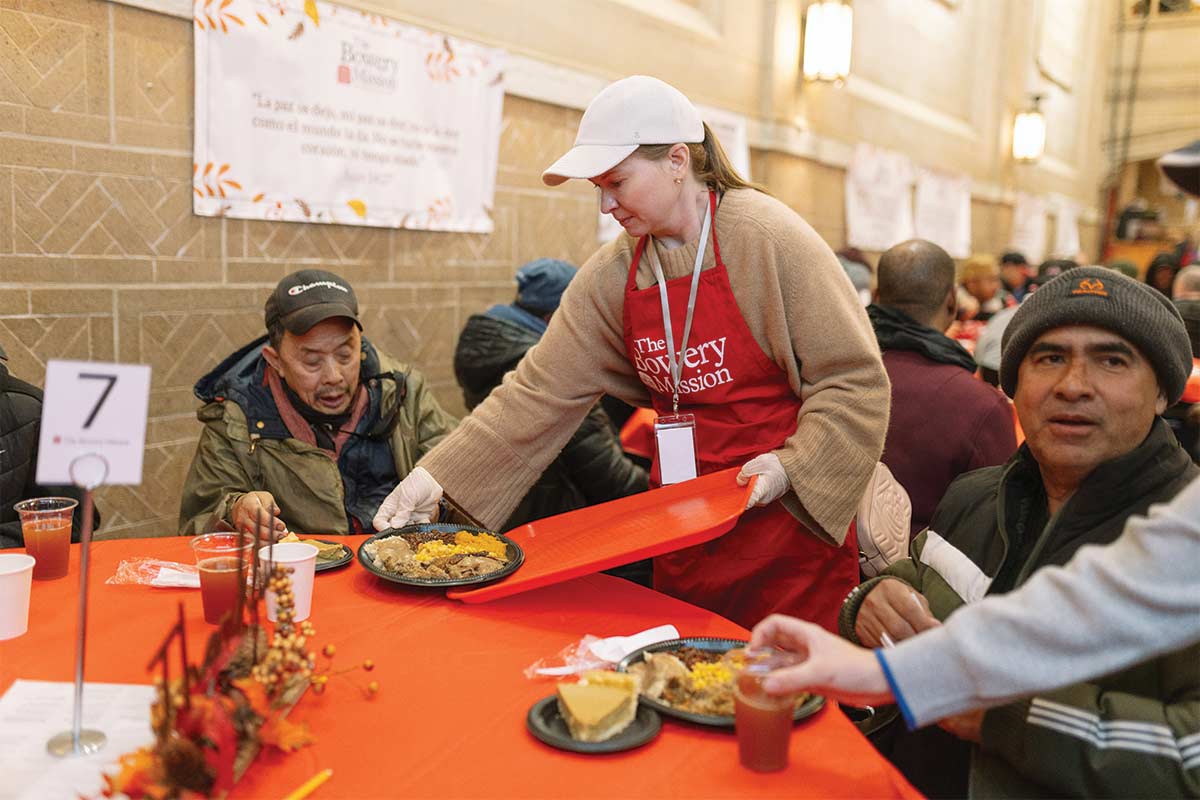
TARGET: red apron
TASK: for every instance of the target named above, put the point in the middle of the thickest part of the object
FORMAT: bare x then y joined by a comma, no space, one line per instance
744,406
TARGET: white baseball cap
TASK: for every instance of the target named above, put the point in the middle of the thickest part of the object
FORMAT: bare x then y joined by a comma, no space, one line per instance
629,113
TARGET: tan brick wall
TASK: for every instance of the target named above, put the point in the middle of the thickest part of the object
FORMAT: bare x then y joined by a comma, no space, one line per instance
102,259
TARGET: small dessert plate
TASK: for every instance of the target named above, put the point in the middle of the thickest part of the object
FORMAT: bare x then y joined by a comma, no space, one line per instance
545,723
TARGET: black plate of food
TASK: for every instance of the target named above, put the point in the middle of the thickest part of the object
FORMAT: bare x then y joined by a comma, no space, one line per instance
337,560
546,723
712,705
392,554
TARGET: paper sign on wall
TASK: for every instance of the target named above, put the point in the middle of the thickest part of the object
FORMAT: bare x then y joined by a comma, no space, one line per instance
311,112
943,211
92,408
1066,228
1029,227
879,210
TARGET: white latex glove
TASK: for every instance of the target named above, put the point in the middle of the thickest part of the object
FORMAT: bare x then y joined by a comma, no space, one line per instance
415,499
772,479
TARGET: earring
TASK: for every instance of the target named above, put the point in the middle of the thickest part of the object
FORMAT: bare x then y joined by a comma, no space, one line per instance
679,180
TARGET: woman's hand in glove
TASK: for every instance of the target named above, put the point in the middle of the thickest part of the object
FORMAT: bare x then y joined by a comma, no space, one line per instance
415,499
772,479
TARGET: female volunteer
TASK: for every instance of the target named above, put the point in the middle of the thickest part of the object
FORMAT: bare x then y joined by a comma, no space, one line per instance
779,368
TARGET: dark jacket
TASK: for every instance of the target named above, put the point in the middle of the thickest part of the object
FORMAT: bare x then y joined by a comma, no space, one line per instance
945,421
246,446
20,424
591,468
1127,734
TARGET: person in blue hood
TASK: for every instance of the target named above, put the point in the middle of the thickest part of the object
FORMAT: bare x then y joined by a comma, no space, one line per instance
592,468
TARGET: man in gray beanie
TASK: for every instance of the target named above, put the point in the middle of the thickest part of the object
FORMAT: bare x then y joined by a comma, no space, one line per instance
1091,360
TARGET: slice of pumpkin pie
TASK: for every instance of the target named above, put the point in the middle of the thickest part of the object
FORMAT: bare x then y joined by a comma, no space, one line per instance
600,706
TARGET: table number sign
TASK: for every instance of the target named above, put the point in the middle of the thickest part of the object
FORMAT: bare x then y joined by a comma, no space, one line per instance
93,409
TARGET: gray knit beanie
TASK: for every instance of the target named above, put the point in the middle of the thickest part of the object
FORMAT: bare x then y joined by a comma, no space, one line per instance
1105,299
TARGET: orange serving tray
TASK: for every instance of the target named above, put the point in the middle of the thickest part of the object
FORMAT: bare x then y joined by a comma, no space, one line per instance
620,532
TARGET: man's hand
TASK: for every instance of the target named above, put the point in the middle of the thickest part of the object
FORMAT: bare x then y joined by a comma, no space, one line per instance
895,609
967,726
415,499
832,666
772,479
253,508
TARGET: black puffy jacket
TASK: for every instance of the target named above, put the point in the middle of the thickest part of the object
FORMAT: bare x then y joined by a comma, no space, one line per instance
591,468
20,422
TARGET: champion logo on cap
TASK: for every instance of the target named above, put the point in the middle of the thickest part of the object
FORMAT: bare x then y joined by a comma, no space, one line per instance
304,287
1092,286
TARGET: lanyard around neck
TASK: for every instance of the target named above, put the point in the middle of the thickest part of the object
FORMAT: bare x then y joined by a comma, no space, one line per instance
676,363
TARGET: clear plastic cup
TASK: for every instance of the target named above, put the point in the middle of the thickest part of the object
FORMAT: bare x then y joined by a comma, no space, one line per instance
46,527
763,722
16,579
301,558
224,562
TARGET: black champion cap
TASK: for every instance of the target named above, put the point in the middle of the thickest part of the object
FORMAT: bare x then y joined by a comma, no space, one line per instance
309,296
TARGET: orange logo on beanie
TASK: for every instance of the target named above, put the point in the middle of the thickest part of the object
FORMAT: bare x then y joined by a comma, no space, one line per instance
1092,286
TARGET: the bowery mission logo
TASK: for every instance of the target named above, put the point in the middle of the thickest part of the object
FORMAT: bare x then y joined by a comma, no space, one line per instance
703,365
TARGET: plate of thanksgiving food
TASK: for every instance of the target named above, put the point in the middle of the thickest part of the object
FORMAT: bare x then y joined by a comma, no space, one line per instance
598,713
440,554
330,554
691,679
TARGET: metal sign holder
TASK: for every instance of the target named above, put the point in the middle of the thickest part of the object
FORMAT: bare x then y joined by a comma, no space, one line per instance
80,741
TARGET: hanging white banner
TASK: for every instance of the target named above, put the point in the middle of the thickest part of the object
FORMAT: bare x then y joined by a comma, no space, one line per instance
943,211
311,112
879,210
1029,227
730,130
1066,228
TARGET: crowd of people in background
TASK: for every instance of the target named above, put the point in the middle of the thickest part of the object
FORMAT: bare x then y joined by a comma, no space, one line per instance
808,377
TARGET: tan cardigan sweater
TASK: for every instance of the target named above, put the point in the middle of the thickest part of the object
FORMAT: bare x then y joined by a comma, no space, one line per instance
798,304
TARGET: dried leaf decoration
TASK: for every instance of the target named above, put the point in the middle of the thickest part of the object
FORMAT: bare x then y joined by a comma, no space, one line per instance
287,736
358,207
310,8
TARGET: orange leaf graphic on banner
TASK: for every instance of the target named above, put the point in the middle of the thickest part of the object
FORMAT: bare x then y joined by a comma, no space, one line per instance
210,184
262,19
256,197
359,207
310,8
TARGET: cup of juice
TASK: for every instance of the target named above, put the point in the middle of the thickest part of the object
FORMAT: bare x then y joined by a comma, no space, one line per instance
224,562
763,722
46,527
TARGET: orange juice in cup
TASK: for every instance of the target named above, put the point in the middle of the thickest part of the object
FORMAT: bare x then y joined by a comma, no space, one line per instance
46,528
223,560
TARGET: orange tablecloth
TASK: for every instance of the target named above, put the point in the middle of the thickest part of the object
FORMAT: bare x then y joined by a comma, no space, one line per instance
449,721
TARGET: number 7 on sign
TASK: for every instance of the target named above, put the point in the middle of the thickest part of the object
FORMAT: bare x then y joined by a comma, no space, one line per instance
76,421
112,380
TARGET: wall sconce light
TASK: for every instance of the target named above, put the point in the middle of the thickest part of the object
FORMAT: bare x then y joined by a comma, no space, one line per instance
1029,133
828,30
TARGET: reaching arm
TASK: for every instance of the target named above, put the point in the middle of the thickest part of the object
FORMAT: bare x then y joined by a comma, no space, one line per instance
1108,608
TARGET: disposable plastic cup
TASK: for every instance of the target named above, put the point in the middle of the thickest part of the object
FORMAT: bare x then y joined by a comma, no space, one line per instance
223,560
301,558
16,578
763,722
46,527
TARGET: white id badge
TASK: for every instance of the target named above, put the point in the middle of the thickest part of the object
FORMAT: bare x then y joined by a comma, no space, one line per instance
675,436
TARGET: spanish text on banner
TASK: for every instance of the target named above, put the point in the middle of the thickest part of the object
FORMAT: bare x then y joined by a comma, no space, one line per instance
312,112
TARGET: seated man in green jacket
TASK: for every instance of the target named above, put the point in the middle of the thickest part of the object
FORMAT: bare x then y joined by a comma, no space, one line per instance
1091,360
310,423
